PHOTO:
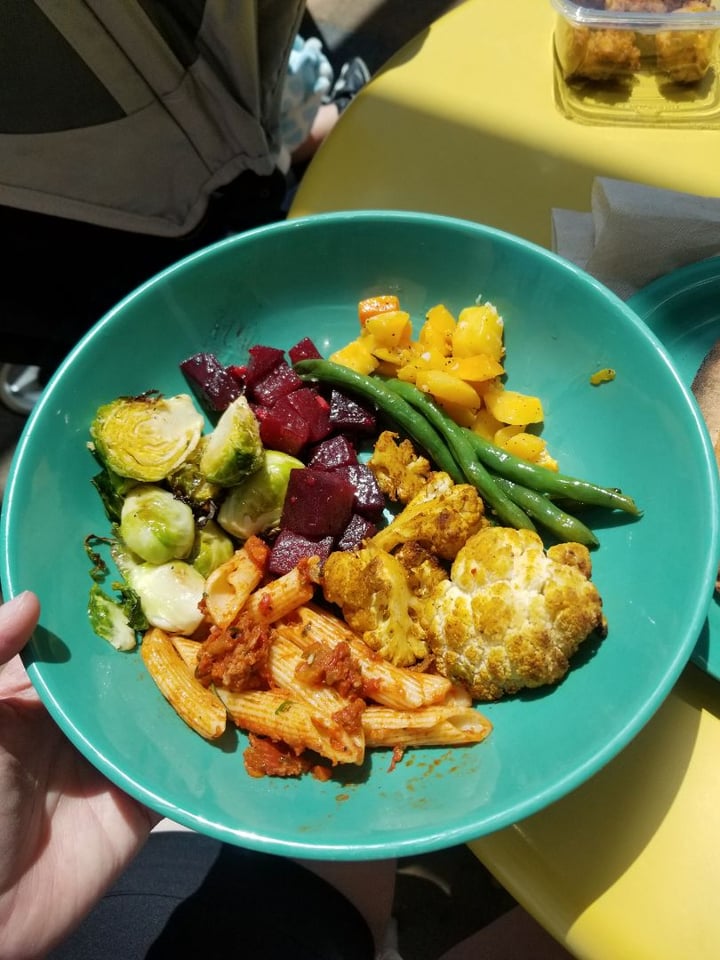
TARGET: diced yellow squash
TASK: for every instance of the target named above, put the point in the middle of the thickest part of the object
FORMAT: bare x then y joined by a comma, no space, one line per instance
357,355
479,329
485,424
605,375
547,461
391,329
526,445
427,358
447,388
474,369
504,434
408,372
386,369
465,416
372,306
509,406
387,355
437,330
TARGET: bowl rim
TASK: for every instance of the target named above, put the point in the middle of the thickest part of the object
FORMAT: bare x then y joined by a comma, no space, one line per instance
558,788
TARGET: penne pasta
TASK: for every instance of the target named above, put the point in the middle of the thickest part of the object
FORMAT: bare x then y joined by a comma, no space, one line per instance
194,703
277,715
325,702
281,597
429,726
229,585
387,684
188,650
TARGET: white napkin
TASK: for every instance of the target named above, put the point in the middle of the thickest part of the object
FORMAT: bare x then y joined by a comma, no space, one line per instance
635,233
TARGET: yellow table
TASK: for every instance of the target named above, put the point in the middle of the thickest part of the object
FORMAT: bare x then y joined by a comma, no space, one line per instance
463,122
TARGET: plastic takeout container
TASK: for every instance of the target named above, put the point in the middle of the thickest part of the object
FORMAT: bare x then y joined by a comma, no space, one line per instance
651,62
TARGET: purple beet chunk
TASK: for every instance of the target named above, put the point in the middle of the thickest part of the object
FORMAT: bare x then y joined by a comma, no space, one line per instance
262,361
358,530
281,381
315,411
369,499
318,503
211,381
304,350
349,414
282,428
332,453
290,548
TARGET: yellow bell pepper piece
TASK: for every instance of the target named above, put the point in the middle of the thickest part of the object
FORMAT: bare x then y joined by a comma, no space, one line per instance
392,329
465,416
512,407
479,329
485,424
357,355
602,376
447,388
475,369
372,306
437,331
526,445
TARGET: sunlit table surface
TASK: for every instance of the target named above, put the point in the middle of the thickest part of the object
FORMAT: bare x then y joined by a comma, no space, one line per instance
463,121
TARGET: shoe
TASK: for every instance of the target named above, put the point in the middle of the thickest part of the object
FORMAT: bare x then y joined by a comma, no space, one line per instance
352,78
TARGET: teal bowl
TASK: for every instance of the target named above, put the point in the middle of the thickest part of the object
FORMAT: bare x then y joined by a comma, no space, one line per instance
642,432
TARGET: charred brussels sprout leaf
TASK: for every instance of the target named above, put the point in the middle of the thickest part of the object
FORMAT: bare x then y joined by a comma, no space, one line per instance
109,620
112,490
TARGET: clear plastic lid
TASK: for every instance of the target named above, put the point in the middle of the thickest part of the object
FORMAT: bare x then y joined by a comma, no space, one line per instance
642,21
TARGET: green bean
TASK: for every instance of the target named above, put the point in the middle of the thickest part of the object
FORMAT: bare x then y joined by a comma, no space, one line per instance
390,404
554,484
562,525
504,507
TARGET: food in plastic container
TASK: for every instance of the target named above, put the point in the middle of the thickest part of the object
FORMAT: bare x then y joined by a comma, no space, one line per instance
647,61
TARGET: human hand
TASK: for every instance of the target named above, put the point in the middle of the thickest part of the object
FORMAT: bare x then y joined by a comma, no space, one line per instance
66,833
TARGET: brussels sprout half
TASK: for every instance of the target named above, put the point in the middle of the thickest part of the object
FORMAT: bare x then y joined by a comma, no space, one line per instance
255,505
156,526
233,450
146,437
212,548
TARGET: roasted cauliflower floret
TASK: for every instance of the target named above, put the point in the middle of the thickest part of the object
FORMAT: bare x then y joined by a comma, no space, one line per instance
423,570
399,470
511,615
371,588
441,516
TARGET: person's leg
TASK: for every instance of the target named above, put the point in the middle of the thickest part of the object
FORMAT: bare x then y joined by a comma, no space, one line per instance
189,895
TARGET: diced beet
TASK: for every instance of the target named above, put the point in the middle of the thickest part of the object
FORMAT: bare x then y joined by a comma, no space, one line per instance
281,427
359,529
210,380
318,503
238,373
304,350
369,499
290,548
262,361
346,413
315,411
279,382
332,453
